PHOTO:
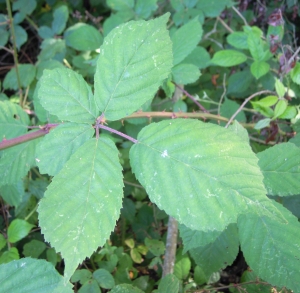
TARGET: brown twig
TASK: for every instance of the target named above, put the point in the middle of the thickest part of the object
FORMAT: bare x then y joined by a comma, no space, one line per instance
6,143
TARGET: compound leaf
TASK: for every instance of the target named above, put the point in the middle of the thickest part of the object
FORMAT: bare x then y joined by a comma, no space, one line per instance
199,173
58,146
17,276
65,93
83,202
280,166
134,59
271,248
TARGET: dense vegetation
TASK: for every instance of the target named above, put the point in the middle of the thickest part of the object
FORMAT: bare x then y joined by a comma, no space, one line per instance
149,146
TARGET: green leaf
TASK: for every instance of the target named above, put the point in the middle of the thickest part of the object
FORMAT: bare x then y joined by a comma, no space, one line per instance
169,284
155,246
48,64
104,278
2,241
199,57
24,6
280,108
219,253
65,93
83,37
239,130
185,73
295,73
21,38
8,256
259,68
144,8
125,288
34,248
129,243
57,147
4,35
199,152
17,230
271,248
13,194
13,120
136,256
262,123
228,108
280,167
133,61
289,113
45,32
81,276
268,101
26,72
228,58
60,17
17,277
238,40
120,4
177,5
90,183
280,88
255,46
16,161
239,82
213,8
185,40
195,238
182,268
90,287
52,49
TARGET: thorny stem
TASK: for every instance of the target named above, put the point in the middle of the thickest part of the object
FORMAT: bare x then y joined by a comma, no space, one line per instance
6,143
118,133
15,53
245,102
192,98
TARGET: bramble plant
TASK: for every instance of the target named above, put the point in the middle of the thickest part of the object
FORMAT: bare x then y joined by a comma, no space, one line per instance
225,192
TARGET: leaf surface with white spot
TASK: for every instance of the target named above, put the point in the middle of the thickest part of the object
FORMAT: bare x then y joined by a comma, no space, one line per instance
201,174
82,204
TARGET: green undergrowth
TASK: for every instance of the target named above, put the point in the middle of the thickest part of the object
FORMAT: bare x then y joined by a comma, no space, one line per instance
121,119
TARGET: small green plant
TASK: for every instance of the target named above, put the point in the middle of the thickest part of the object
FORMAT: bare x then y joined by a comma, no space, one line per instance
204,175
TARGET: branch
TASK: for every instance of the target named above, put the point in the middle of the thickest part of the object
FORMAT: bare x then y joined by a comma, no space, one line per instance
6,143
171,244
173,115
192,98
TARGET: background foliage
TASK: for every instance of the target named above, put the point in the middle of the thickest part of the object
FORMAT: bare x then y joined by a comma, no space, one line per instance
102,144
